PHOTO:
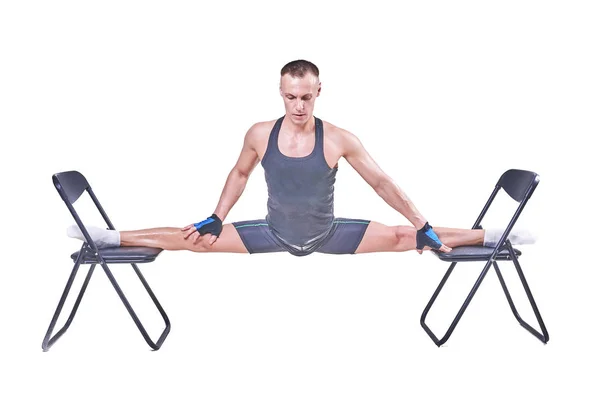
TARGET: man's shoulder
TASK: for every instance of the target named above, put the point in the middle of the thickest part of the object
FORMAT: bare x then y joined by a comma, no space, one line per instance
260,129
262,125
336,133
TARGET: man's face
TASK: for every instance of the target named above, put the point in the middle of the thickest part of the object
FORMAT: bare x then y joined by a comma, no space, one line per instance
299,95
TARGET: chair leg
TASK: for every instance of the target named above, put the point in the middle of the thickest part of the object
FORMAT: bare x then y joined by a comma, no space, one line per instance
49,340
443,340
544,337
154,345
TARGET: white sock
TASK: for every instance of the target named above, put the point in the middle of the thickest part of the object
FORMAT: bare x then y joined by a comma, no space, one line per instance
516,237
102,237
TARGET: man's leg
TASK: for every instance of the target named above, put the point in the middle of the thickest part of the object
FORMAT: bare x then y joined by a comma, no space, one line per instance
380,238
229,240
252,236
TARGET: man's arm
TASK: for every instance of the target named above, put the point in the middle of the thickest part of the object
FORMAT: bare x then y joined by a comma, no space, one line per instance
237,178
358,157
234,186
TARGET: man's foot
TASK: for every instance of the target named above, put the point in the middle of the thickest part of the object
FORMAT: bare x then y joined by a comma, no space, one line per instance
102,237
516,237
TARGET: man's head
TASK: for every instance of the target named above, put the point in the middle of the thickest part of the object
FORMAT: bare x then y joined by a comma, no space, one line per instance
299,87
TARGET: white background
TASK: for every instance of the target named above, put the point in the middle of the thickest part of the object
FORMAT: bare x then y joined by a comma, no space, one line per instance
151,100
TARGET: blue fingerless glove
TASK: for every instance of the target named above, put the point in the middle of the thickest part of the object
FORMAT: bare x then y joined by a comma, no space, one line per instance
212,225
427,237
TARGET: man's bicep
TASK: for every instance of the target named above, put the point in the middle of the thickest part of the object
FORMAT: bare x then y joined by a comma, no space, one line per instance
248,158
358,157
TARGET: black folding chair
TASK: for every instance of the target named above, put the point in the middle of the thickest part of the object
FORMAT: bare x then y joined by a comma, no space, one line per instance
519,185
70,186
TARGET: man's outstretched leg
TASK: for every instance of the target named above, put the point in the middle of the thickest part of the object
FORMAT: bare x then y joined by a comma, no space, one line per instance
381,238
229,240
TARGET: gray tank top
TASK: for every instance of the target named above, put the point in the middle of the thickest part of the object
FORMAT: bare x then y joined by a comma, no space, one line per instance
300,204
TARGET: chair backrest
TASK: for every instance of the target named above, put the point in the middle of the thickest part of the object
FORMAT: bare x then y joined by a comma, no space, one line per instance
518,183
70,186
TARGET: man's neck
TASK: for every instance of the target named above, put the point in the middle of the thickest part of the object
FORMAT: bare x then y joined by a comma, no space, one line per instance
291,128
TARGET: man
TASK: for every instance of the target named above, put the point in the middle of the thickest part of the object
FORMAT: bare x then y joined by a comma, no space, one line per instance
300,154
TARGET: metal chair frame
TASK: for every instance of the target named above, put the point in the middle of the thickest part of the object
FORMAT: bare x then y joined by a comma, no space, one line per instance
519,185
70,185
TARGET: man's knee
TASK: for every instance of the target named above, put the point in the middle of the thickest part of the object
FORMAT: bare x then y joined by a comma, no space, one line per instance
405,237
201,246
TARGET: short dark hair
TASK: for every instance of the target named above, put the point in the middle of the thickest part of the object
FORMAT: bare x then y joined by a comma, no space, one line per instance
299,68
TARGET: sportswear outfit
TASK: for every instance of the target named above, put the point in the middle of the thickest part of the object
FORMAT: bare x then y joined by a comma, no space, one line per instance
300,218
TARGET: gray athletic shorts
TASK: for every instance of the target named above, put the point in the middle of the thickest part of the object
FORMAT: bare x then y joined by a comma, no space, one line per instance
344,238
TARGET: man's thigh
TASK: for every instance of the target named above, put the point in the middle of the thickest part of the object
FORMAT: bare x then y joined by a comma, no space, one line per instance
229,241
382,238
346,236
256,237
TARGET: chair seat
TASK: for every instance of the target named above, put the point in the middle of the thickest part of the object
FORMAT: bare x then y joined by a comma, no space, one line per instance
121,255
473,253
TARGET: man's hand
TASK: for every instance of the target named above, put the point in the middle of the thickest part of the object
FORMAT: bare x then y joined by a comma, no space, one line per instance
211,225
427,237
